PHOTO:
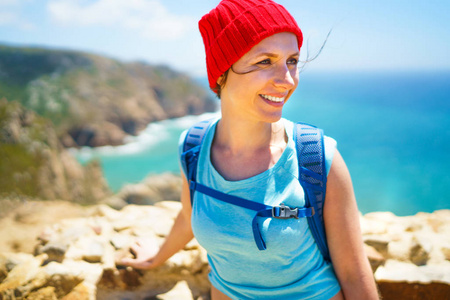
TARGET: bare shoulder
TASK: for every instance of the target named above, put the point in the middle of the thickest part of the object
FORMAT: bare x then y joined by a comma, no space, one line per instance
341,213
339,180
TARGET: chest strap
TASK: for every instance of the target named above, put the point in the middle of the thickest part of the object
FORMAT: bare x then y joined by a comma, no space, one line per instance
262,210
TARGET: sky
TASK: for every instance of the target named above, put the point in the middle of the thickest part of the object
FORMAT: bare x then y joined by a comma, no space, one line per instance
366,35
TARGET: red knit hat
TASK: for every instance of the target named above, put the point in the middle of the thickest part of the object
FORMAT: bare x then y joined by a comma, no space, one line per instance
232,28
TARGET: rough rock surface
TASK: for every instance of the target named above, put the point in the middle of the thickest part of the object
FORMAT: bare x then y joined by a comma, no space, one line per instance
75,258
410,254
153,189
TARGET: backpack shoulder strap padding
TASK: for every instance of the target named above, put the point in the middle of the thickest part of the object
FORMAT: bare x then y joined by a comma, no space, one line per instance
191,149
312,175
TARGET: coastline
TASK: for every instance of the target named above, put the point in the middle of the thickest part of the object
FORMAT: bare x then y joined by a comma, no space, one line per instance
145,139
153,151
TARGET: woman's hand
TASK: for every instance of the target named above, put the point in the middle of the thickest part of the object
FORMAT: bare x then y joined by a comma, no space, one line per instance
148,254
144,252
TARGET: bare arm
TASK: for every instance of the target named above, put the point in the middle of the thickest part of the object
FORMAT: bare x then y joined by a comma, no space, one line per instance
179,236
344,235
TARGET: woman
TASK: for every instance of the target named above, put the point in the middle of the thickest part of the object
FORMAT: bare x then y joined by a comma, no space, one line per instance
252,51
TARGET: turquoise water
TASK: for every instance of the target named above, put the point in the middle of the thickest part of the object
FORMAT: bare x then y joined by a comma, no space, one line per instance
393,130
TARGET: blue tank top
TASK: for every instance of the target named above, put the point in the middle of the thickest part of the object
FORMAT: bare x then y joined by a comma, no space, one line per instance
292,266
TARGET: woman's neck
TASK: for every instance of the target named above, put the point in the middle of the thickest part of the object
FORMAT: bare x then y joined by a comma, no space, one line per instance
242,149
246,136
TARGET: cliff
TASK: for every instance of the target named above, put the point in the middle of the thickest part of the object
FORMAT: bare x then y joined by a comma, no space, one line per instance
34,164
94,100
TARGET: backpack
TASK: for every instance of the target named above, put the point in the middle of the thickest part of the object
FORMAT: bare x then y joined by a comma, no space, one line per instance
312,177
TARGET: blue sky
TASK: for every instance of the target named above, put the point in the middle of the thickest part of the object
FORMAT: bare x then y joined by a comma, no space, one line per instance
367,35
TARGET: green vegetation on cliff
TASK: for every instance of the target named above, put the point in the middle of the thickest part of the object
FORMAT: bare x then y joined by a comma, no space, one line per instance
33,163
94,100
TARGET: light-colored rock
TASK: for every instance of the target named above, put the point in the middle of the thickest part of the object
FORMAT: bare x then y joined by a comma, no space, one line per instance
172,207
30,220
9,260
416,266
115,202
120,240
89,275
94,251
404,262
401,249
180,291
402,280
445,249
375,258
153,189
105,211
379,242
145,218
81,255
369,226
23,274
55,250
139,194
394,270
420,251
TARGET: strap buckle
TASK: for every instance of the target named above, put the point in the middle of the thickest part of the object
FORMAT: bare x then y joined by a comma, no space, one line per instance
284,212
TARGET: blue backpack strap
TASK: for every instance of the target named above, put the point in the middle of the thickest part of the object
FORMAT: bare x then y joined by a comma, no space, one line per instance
262,210
191,149
313,178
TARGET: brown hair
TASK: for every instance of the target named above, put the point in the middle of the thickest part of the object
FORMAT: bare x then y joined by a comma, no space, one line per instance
219,86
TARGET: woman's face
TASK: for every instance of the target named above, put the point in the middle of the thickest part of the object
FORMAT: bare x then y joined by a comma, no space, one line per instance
260,82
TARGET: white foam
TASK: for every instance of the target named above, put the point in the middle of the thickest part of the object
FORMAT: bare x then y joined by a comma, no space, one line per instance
150,137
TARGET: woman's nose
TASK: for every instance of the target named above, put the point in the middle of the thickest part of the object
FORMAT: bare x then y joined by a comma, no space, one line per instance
285,76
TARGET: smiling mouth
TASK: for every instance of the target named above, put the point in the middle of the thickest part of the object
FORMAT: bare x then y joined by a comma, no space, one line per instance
273,99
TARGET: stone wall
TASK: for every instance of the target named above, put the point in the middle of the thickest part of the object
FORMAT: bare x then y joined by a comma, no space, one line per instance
410,255
75,258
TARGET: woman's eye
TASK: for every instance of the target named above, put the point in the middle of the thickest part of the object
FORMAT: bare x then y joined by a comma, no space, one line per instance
264,62
293,61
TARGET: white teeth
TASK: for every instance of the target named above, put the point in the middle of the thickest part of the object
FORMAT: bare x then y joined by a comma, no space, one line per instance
273,99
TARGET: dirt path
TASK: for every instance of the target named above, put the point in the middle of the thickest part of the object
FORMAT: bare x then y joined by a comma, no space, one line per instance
21,226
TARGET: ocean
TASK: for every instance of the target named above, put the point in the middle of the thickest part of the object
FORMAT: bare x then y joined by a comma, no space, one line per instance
392,128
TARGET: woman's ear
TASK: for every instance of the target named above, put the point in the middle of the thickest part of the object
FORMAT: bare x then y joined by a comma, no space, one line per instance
220,80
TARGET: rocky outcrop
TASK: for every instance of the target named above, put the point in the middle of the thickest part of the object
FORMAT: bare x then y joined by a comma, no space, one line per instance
34,163
75,259
153,189
409,255
94,100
